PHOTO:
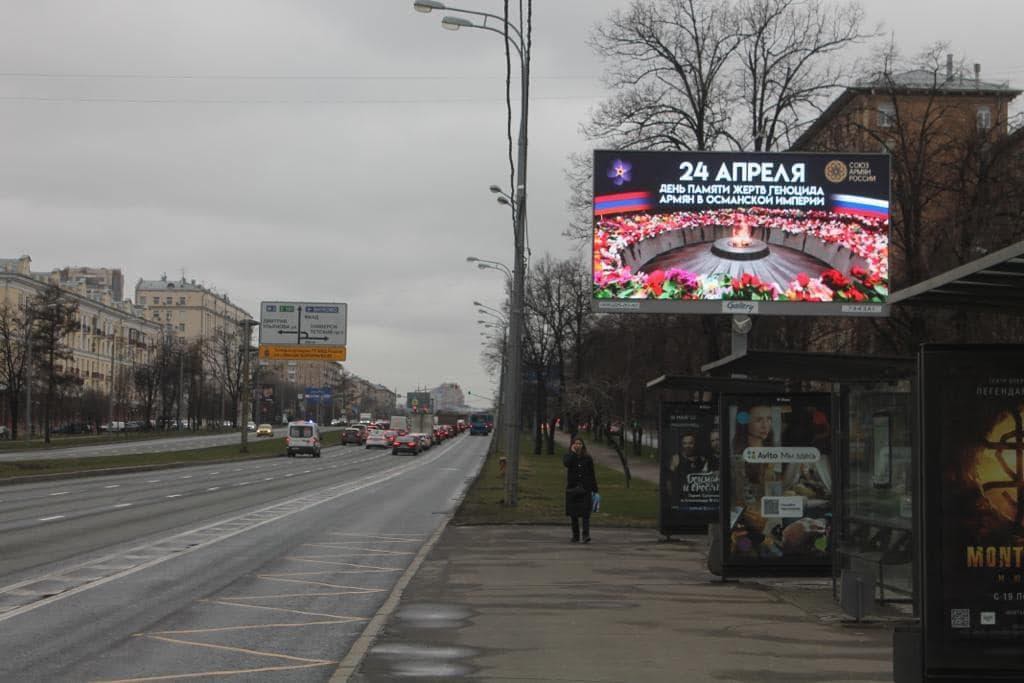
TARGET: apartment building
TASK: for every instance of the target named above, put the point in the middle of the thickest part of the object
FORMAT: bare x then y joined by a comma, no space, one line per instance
113,334
447,396
97,283
187,310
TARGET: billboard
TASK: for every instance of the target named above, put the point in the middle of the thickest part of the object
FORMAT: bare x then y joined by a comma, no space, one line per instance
972,511
689,448
741,233
418,401
777,481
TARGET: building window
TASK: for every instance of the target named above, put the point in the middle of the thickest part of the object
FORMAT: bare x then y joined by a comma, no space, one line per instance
181,327
156,315
984,118
886,115
142,300
181,301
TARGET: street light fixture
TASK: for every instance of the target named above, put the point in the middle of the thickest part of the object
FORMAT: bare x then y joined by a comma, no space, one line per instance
455,23
514,38
426,6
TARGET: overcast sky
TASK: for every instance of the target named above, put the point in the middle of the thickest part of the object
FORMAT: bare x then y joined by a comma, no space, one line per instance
322,150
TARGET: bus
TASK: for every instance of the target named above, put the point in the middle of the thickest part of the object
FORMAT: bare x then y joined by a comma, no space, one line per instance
481,424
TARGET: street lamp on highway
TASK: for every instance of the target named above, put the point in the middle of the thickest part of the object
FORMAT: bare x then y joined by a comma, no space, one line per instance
514,38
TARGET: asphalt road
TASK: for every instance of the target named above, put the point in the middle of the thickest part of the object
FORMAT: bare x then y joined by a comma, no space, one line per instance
133,447
261,570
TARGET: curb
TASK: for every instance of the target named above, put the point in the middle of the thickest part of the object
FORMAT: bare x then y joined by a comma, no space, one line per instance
361,647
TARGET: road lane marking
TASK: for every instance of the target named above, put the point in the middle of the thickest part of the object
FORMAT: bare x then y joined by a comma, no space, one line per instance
341,546
194,539
289,595
325,584
247,627
123,505
318,560
240,649
187,476
284,609
112,486
269,479
152,481
213,488
60,493
229,672
383,539
50,519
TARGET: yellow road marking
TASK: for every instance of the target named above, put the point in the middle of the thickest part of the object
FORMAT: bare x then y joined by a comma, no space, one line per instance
285,609
328,585
243,628
243,650
341,564
345,546
289,595
201,674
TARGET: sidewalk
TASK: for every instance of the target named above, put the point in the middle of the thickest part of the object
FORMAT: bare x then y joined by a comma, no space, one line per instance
639,468
520,603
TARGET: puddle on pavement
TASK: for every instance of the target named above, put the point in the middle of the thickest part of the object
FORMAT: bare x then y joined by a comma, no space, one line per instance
433,616
425,661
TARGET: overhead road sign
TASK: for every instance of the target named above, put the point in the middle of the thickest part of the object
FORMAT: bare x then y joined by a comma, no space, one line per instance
293,330
303,352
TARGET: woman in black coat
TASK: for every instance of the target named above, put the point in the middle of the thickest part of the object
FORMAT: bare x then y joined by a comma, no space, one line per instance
580,483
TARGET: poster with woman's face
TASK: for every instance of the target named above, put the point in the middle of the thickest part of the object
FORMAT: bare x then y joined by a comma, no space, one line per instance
778,478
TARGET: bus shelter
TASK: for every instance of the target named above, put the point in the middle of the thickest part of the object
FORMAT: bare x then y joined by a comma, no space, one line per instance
969,516
847,470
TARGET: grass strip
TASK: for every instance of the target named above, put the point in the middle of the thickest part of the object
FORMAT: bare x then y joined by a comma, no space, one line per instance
58,441
44,466
542,495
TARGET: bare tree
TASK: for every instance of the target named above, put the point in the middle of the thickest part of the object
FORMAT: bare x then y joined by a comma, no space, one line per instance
788,64
223,358
55,318
15,329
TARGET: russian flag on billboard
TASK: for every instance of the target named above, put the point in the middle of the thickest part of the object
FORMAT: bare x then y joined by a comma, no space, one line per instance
623,202
860,206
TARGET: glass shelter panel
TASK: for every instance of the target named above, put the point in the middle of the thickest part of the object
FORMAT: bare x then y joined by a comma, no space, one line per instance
876,536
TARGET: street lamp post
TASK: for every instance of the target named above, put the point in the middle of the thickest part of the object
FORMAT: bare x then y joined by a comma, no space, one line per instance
246,324
513,37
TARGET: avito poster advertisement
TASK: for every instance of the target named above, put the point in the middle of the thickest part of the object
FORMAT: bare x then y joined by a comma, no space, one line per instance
690,453
973,509
729,232
778,489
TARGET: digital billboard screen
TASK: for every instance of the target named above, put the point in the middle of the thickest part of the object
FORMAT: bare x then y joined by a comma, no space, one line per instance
741,233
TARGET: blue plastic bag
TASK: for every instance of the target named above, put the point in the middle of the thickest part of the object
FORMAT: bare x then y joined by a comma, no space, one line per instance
595,502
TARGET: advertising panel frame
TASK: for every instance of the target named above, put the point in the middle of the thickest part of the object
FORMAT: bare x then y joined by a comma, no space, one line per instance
852,260
700,418
970,394
731,516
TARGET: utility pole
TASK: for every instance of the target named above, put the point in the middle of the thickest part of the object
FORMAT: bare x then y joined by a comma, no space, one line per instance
28,382
113,341
246,326
181,384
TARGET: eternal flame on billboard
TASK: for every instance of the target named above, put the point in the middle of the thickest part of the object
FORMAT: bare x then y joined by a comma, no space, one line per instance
741,233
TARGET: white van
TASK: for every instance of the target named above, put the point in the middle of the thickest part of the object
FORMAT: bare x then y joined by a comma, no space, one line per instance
303,437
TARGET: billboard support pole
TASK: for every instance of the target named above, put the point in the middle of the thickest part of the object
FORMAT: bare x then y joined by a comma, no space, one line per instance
741,325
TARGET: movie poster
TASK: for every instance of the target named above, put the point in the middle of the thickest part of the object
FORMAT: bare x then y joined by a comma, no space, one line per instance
778,476
973,523
690,453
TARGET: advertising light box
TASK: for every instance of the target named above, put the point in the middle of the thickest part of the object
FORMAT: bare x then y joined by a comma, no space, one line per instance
690,451
777,485
741,233
972,512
